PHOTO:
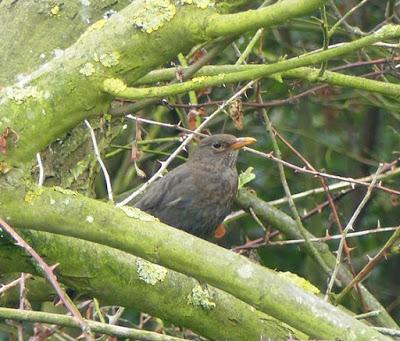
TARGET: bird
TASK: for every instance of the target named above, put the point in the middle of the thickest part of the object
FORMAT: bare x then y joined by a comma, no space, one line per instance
197,195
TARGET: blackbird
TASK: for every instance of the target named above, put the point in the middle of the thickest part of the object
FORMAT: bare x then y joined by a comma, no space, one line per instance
197,195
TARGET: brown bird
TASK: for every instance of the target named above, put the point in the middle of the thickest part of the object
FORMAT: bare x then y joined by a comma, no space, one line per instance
197,196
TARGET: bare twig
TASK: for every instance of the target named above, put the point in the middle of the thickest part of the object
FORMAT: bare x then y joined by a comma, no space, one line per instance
349,227
345,181
317,257
337,186
388,331
22,305
298,169
41,169
343,18
334,237
324,184
100,161
13,284
370,265
189,138
48,271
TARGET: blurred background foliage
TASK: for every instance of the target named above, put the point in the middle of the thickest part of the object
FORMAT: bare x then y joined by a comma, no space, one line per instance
341,131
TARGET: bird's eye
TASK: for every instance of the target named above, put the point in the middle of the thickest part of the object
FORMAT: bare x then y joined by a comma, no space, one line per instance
217,145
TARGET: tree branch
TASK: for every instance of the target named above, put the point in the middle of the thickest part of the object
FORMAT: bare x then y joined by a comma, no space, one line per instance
137,233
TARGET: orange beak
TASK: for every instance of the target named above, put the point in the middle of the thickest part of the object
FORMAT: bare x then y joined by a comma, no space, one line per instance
242,141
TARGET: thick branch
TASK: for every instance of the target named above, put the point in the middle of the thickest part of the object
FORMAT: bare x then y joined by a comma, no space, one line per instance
139,234
68,89
117,278
263,17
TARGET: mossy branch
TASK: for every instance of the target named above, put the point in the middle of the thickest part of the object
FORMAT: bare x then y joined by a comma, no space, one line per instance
69,88
294,68
54,210
68,321
284,223
117,278
306,73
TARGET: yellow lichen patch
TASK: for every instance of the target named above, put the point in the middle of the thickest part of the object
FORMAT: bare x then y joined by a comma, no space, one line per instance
97,25
4,167
55,10
149,272
299,281
114,86
30,196
150,15
135,213
198,3
200,297
109,59
199,79
87,69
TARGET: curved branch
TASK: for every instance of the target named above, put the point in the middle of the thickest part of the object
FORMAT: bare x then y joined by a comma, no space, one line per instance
117,278
293,67
135,232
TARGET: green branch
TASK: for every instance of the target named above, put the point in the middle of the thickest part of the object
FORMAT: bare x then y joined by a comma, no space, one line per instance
66,90
268,16
139,234
117,278
281,221
306,73
289,68
69,321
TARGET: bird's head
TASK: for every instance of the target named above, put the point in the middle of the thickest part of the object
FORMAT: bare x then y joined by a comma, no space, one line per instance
220,149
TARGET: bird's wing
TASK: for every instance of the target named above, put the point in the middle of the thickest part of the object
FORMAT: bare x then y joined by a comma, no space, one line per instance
172,190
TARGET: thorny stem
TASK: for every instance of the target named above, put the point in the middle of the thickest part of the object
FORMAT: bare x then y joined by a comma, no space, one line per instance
324,184
292,205
48,271
349,227
370,265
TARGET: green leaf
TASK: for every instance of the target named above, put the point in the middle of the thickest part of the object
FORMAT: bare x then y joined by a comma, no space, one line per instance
246,176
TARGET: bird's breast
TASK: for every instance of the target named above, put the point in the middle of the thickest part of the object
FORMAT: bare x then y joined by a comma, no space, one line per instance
218,187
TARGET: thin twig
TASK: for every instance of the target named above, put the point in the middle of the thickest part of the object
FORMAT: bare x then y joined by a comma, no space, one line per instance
100,161
48,271
189,138
373,313
342,19
334,237
41,169
349,180
388,331
12,284
167,125
22,305
67,321
370,265
337,186
317,257
347,248
349,227
345,181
